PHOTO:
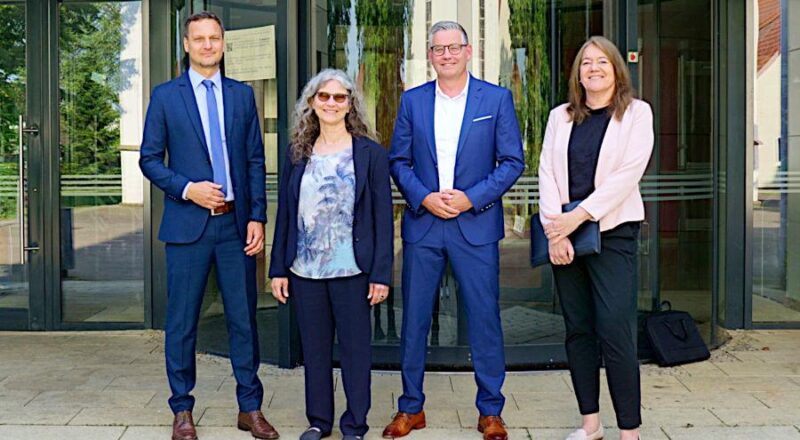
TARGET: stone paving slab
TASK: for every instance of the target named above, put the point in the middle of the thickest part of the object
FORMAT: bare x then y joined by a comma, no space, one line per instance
100,385
122,416
25,432
758,416
27,416
734,433
779,399
700,400
680,417
610,433
90,399
741,384
204,433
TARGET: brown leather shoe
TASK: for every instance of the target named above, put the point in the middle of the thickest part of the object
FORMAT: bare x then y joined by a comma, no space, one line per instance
403,423
492,427
257,424
183,426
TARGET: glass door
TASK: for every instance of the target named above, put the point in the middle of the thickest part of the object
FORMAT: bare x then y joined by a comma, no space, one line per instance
14,140
675,69
100,54
14,288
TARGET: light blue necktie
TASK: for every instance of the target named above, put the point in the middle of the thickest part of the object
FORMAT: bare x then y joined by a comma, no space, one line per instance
217,155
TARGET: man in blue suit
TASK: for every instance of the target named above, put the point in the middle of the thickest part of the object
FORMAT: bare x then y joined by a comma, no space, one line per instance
456,150
214,214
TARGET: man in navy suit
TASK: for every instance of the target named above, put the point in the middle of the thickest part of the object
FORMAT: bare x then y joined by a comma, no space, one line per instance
456,150
214,214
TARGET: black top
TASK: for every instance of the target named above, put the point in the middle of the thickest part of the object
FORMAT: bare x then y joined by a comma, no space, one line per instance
583,150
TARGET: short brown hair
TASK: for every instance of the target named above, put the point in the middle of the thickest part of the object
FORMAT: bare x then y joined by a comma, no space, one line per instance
202,15
623,89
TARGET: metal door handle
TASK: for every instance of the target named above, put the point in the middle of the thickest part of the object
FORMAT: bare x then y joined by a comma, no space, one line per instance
23,239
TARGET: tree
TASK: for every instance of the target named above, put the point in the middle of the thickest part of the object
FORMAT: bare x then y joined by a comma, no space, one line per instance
12,96
91,41
380,29
528,28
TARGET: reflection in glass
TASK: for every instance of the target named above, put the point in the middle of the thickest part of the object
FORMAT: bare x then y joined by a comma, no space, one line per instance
242,18
100,64
675,69
384,46
776,204
13,272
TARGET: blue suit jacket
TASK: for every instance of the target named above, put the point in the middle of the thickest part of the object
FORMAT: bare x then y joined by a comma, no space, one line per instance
173,126
373,224
488,160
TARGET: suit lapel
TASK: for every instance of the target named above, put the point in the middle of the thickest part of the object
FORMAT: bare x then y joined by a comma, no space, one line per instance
190,104
474,96
360,164
227,104
427,116
297,176
563,150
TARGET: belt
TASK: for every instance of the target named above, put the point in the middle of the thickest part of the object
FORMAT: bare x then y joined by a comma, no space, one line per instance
224,209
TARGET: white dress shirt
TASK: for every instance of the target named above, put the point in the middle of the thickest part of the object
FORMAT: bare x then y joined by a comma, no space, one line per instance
447,118
200,97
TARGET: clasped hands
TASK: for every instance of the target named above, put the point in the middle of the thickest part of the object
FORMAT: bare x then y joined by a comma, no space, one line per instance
447,204
557,233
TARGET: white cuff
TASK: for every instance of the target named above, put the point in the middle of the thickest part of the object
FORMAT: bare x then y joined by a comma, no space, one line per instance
186,190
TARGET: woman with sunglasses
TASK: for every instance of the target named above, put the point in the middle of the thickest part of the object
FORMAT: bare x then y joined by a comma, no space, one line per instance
332,249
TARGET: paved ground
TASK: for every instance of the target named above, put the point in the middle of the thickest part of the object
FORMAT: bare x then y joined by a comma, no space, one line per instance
110,385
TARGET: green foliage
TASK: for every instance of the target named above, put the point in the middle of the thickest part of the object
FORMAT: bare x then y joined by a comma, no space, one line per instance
12,101
12,77
528,28
91,41
381,26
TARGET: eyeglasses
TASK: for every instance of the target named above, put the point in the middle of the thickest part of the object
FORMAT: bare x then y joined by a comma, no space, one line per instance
338,97
454,49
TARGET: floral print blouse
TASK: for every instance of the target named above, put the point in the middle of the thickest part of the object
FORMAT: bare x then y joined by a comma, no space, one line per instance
325,218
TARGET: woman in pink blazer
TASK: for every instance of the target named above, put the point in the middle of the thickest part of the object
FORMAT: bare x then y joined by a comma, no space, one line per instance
596,149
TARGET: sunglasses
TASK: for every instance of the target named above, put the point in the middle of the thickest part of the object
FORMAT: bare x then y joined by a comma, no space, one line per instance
338,97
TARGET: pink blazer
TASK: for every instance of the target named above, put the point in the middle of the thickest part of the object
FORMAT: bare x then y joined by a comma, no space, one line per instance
623,158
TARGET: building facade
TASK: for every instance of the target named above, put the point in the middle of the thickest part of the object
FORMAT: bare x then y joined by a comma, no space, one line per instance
78,246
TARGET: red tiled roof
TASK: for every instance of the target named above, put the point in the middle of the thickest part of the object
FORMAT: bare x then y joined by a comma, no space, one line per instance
769,31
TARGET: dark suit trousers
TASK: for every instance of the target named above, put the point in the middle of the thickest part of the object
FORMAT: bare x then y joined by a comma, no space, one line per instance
477,272
598,295
323,307
188,266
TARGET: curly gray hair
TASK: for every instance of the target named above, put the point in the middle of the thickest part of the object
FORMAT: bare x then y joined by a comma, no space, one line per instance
306,123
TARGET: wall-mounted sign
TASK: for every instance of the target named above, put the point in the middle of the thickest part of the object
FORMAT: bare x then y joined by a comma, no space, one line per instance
250,53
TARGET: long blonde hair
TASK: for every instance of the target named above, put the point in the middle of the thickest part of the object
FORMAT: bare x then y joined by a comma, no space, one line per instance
306,123
623,89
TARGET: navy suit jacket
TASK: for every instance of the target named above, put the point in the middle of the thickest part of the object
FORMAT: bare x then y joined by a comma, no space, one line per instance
173,127
373,223
488,160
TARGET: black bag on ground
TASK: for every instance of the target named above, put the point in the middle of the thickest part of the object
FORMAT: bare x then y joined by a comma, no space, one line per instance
674,337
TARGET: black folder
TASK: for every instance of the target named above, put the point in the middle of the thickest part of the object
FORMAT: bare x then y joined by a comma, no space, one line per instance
585,240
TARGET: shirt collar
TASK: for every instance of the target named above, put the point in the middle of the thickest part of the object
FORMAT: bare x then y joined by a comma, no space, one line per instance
196,79
463,93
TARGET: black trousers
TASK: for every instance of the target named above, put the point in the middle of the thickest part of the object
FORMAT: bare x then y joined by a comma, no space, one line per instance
323,307
598,299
